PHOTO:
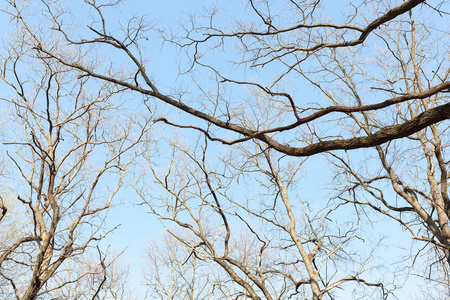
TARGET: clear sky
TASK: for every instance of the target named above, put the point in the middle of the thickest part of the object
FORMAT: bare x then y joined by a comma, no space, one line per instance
137,228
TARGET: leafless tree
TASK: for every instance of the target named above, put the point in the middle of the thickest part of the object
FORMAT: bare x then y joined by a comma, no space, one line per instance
66,143
272,38
10,229
263,245
172,271
380,86
93,276
406,180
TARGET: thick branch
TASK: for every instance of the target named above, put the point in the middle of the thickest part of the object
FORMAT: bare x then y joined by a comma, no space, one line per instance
419,122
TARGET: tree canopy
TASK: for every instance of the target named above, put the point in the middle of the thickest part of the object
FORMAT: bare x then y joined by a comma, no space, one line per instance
221,152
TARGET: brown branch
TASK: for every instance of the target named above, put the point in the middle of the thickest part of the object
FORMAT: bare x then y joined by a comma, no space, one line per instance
425,119
417,123
390,15
3,212
17,244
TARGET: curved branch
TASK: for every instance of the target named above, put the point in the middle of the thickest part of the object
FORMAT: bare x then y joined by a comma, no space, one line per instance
416,124
388,16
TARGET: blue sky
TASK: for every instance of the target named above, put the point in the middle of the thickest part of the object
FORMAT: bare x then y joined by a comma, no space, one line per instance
137,227
164,64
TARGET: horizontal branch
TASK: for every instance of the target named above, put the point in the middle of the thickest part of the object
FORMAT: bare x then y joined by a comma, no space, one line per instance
428,118
425,119
19,242
388,16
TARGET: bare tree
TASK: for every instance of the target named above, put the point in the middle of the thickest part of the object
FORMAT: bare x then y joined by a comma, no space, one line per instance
10,230
272,38
406,181
66,141
380,85
263,245
94,276
173,271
